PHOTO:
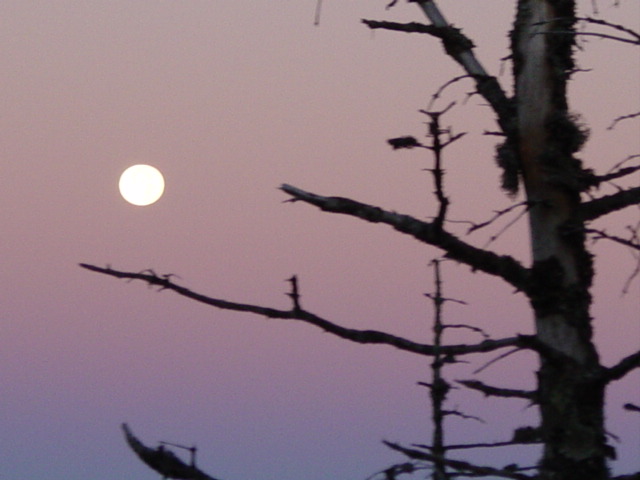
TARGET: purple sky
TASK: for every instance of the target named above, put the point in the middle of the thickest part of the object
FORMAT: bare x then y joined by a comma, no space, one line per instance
229,100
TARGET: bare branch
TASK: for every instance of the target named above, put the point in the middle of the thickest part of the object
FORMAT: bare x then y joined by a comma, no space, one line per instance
442,88
615,26
413,27
602,206
634,41
622,162
455,300
438,146
460,48
592,34
457,464
601,234
468,446
631,407
623,117
498,214
623,367
357,336
623,172
467,327
497,359
294,295
465,416
488,390
505,267
163,461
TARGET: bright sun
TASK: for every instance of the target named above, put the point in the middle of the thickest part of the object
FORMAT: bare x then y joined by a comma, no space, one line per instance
141,185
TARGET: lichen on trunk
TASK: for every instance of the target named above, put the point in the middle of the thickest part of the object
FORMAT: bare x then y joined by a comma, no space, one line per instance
571,396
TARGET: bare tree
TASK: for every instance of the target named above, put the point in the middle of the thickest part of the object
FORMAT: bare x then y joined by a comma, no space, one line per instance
537,155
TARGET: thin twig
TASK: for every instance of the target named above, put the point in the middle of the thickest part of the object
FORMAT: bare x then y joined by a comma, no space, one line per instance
498,358
497,215
621,118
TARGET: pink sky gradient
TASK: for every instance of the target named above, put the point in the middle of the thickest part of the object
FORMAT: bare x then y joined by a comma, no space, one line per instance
229,100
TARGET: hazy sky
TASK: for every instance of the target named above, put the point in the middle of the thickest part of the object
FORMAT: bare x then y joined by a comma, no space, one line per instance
229,100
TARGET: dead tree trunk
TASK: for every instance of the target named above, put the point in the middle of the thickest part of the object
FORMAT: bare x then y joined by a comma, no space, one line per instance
571,395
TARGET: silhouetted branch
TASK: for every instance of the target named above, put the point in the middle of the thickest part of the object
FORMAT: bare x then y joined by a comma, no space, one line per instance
465,416
631,407
294,295
531,436
467,327
461,302
601,234
621,28
504,266
623,172
437,147
624,160
623,367
635,40
497,215
163,461
442,88
459,465
488,390
439,388
460,48
357,336
497,359
599,207
621,118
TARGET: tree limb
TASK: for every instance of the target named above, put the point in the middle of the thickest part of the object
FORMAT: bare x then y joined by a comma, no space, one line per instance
457,464
623,367
602,206
596,180
504,266
299,314
488,390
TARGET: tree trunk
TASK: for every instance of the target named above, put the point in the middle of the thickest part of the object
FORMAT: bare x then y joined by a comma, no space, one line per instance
571,397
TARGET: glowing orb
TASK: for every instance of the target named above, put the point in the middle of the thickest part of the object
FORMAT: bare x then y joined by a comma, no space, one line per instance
141,185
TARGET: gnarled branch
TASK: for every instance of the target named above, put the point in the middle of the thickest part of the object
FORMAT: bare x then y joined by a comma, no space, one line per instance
299,314
504,266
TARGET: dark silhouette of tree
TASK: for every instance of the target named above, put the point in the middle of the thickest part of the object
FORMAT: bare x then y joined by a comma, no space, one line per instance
540,140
